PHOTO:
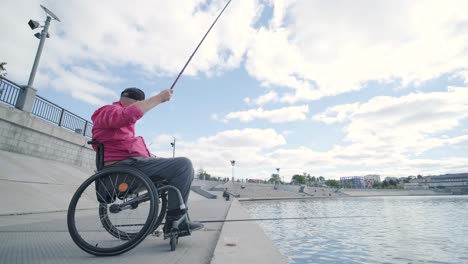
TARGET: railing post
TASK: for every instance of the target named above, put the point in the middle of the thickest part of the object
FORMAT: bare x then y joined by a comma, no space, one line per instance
26,98
85,127
61,117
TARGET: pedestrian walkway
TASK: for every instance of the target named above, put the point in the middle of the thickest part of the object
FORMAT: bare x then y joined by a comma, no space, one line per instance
44,238
33,227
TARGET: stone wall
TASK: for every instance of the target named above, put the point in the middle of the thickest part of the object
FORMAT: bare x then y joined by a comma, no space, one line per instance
21,132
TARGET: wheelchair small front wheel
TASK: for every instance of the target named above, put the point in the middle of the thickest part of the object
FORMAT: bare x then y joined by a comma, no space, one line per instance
113,211
174,241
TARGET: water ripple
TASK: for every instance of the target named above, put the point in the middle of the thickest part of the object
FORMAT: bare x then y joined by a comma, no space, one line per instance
404,229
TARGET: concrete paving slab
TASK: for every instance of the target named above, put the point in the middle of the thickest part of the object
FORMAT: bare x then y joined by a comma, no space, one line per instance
244,241
44,238
36,193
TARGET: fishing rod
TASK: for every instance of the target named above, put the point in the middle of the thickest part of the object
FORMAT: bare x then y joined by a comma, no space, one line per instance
191,56
280,218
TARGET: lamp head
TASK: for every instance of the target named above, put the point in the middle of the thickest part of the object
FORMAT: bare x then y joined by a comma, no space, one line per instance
33,24
38,35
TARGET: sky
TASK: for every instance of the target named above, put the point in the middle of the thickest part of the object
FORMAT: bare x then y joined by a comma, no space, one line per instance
330,88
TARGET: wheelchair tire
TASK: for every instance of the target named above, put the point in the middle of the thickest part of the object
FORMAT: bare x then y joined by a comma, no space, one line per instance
108,238
173,242
162,212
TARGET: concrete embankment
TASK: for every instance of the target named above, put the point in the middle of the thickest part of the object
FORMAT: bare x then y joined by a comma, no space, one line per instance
258,191
391,192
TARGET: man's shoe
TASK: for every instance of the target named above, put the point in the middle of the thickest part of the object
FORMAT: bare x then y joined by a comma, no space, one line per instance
195,226
192,226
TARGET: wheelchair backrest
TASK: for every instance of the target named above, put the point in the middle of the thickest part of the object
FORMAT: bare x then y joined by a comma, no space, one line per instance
99,154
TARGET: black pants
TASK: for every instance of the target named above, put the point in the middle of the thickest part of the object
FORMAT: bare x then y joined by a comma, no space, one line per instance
178,172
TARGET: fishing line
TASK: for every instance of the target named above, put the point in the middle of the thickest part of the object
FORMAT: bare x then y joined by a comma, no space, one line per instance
185,66
281,218
266,219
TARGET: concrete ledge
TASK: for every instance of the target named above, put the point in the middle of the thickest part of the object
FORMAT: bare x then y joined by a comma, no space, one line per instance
203,193
29,121
244,242
24,133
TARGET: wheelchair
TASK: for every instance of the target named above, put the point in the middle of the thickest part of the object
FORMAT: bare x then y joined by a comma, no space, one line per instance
118,207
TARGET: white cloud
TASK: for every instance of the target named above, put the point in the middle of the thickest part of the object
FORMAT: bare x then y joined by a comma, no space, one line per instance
246,138
246,146
155,36
337,113
404,124
464,76
311,48
271,96
459,142
281,115
324,48
84,88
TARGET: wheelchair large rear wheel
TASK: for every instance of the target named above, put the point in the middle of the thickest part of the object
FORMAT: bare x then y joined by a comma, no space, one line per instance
130,201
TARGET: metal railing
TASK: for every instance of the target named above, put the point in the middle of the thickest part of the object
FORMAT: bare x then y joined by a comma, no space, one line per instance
9,91
53,113
46,110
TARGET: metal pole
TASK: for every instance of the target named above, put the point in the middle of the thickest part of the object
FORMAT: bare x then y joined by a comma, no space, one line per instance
39,52
173,150
233,162
173,147
278,169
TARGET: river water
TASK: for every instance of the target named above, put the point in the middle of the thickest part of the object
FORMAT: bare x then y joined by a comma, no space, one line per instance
395,229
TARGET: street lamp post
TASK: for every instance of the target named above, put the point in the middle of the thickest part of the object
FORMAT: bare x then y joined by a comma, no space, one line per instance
233,162
278,169
173,147
26,97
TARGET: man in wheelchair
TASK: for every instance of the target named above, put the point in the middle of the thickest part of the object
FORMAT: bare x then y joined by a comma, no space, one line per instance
114,127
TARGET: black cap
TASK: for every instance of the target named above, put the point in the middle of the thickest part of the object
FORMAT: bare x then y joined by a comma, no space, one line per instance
133,93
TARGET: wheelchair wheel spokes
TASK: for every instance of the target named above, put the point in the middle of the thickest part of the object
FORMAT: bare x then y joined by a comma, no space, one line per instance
124,220
112,211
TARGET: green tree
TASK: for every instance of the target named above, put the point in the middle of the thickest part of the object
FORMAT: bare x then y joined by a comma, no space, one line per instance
332,183
274,178
307,178
298,179
3,69
202,174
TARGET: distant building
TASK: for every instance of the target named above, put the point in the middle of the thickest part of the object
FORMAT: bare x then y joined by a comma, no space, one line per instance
370,180
356,182
457,183
359,182
255,181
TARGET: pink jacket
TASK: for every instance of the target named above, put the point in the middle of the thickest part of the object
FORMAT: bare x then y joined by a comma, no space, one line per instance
114,126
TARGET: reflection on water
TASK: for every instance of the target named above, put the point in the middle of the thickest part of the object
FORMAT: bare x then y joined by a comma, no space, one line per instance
402,229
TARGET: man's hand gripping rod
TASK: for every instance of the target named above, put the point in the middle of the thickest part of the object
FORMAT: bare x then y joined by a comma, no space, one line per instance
185,66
